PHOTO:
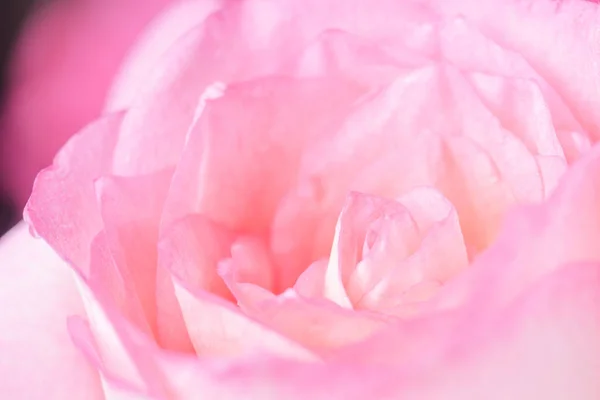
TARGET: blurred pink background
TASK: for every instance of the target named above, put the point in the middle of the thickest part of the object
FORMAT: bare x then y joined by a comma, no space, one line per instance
60,71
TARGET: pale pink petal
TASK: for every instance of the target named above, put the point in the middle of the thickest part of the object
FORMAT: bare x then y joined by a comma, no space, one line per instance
62,208
275,119
113,386
544,344
319,325
189,249
439,257
110,280
364,219
113,345
394,130
218,328
459,38
242,40
563,230
154,43
378,137
551,37
37,294
521,108
251,262
546,340
337,52
131,211
311,282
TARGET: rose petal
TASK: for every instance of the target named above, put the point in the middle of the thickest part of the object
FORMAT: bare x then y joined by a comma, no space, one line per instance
162,112
250,263
61,69
372,134
311,282
546,34
110,280
216,327
439,257
153,44
114,341
549,331
37,295
552,329
190,250
563,230
458,39
131,209
481,174
62,208
318,324
275,118
355,225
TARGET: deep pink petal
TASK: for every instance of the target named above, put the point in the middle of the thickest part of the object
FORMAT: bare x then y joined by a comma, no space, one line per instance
60,73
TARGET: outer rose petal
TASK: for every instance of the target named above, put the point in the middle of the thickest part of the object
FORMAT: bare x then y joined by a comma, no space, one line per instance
170,26
62,208
37,357
543,345
61,72
553,36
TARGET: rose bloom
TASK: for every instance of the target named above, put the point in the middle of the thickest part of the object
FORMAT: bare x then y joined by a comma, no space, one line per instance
323,199
61,71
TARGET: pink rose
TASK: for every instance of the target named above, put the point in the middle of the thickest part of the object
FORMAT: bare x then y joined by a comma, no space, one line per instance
62,69
324,199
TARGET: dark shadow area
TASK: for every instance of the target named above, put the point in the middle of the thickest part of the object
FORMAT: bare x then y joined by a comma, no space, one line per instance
12,15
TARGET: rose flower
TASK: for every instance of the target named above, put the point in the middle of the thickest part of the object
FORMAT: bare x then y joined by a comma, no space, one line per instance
323,199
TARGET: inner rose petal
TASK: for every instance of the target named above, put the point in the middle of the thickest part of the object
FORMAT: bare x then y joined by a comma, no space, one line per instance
417,246
481,174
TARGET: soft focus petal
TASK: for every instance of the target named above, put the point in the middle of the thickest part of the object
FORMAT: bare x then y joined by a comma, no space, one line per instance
61,71
153,44
37,296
